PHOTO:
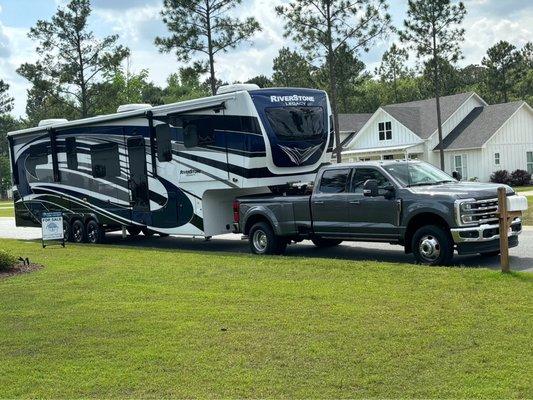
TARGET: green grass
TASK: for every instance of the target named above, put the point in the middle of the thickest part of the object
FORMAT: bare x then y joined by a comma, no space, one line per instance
4,210
523,188
102,321
527,218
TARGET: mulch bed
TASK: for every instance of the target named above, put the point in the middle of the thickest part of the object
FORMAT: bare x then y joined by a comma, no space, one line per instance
20,269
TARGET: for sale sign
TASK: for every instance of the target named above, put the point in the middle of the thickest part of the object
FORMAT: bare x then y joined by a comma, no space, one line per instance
52,227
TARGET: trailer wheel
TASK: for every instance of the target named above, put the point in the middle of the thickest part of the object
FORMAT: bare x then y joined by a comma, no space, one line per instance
432,245
66,231
263,240
77,231
322,242
94,232
134,230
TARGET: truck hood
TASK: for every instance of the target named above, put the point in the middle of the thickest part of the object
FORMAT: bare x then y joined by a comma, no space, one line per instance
463,190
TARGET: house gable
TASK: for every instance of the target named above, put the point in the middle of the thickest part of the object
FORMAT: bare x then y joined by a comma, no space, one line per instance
368,136
517,129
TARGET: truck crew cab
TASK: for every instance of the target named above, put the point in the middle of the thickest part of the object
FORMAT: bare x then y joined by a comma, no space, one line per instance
410,203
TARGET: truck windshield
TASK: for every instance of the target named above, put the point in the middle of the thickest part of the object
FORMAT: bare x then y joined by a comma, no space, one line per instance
296,122
417,174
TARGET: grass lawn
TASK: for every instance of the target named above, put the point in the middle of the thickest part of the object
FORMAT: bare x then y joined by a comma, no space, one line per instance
523,188
6,209
103,321
528,214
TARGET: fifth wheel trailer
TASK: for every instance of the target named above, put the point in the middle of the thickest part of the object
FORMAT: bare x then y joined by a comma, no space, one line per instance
170,169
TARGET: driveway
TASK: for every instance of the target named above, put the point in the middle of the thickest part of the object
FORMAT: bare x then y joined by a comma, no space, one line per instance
521,256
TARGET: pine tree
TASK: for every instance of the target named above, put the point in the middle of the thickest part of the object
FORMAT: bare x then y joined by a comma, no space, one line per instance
503,61
203,26
292,70
432,30
393,67
71,59
323,27
6,101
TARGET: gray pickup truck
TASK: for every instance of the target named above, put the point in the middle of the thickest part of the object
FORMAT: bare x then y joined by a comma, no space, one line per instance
409,203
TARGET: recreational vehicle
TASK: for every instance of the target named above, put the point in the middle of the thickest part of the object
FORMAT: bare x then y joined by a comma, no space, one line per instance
170,169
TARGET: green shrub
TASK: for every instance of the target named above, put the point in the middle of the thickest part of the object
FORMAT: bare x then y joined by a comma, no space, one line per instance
6,260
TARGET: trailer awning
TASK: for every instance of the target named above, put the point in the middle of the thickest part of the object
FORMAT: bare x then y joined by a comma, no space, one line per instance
404,148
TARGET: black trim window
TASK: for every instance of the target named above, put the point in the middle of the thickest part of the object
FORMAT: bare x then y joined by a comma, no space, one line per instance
385,130
296,122
39,156
105,160
164,143
72,155
198,130
334,181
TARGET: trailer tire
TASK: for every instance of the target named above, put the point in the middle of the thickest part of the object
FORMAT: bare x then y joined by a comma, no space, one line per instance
77,232
263,240
323,242
95,233
134,230
432,245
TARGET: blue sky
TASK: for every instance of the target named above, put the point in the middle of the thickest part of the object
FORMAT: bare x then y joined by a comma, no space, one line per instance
138,23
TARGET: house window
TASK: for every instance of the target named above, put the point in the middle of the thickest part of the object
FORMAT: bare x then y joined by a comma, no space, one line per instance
105,160
364,158
496,158
530,162
388,157
459,165
385,131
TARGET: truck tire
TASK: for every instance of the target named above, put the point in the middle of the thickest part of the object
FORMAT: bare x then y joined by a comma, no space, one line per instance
77,231
432,245
263,240
95,233
322,242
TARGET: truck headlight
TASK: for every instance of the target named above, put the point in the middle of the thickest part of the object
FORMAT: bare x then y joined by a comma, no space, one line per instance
463,212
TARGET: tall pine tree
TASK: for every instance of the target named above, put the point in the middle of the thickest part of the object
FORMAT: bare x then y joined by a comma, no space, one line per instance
393,67
71,59
432,29
203,26
503,63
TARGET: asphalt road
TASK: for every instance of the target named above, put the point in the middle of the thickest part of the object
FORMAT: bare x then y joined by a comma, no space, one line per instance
521,256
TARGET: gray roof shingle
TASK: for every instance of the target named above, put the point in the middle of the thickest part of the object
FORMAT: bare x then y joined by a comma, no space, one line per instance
421,116
479,126
352,122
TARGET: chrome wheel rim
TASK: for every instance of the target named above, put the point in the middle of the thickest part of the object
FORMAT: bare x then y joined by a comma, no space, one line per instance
91,234
78,233
429,248
260,241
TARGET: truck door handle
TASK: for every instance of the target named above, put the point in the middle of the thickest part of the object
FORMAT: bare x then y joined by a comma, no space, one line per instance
355,202
318,202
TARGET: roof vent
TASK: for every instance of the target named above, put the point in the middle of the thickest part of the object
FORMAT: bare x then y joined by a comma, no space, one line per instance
132,107
237,87
52,121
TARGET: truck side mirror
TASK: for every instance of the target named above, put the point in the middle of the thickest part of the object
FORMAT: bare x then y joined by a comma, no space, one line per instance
457,175
370,188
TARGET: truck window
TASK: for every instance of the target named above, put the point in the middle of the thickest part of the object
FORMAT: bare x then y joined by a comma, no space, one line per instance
361,175
334,181
296,122
105,160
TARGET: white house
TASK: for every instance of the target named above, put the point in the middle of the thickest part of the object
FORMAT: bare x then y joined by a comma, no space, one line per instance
478,138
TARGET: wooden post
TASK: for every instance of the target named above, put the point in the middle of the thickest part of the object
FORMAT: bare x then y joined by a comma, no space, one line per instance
504,228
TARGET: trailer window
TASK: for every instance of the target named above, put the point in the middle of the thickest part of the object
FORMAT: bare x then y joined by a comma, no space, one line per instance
296,122
164,143
72,155
198,130
334,181
105,160
38,156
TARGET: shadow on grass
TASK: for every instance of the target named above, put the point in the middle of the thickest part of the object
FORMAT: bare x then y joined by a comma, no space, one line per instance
351,251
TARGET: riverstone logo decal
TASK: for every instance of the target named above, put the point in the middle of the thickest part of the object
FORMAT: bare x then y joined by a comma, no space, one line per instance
299,156
292,99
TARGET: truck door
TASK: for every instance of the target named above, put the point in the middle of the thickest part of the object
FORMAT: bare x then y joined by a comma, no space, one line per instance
138,180
371,217
328,203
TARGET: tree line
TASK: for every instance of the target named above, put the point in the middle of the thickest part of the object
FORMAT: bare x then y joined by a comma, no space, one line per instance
79,75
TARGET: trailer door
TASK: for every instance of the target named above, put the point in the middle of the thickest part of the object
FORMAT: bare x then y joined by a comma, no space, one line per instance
138,180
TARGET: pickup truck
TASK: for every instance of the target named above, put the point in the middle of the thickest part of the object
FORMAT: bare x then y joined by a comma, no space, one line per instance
409,203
